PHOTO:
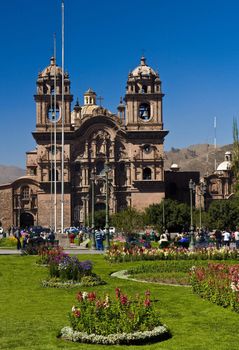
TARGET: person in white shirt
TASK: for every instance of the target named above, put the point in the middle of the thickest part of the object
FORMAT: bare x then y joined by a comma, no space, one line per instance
236,236
226,238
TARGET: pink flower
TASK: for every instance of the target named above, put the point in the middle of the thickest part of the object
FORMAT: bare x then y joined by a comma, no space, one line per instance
147,303
147,293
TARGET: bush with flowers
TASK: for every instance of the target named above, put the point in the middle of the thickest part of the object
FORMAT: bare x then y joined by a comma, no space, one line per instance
123,254
119,320
218,283
67,271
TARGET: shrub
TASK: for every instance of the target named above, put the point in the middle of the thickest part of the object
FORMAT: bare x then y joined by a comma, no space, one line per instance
218,283
134,253
106,315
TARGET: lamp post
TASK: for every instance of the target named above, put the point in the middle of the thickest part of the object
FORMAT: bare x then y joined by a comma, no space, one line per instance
93,210
202,190
191,189
107,169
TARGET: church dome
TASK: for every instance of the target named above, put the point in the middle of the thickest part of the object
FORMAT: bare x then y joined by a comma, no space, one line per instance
224,166
174,167
143,70
52,69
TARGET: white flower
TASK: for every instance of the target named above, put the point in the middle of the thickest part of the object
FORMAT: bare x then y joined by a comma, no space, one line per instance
73,308
84,295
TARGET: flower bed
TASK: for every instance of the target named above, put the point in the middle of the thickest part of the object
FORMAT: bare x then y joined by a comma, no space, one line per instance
123,254
119,320
66,271
218,283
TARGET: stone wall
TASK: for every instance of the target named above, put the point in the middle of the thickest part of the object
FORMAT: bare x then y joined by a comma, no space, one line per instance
6,210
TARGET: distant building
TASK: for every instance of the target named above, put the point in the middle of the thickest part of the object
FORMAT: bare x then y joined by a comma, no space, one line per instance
129,143
219,185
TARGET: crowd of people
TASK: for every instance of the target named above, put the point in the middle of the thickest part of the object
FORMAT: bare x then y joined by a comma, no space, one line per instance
28,237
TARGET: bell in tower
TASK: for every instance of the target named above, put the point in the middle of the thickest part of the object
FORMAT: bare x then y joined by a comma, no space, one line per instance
143,98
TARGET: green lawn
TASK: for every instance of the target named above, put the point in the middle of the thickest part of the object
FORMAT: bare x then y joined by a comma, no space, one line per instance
31,315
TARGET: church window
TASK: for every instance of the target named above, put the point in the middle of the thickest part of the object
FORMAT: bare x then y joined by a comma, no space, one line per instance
144,111
147,174
100,168
52,175
53,113
77,166
25,192
144,89
33,171
147,148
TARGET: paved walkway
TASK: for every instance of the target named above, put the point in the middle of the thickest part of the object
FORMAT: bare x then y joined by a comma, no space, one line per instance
68,251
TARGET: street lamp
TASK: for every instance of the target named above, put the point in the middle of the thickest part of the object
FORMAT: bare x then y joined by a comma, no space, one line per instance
201,191
107,169
191,189
93,209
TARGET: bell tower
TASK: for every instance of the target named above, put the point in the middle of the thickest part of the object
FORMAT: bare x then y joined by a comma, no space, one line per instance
144,99
49,98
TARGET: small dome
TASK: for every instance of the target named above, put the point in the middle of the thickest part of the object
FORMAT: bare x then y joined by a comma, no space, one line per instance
224,166
89,92
52,69
174,167
143,69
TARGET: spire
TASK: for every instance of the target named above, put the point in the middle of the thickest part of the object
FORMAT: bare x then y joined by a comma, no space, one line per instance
143,61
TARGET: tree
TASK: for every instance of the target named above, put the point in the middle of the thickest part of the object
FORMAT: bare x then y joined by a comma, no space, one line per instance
130,221
176,215
224,214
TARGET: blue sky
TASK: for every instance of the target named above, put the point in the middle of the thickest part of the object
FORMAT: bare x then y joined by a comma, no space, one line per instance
193,44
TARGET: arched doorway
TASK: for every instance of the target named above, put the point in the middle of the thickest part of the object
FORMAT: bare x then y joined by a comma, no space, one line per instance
26,220
100,215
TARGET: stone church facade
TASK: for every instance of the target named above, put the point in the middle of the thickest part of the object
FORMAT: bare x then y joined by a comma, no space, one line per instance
128,144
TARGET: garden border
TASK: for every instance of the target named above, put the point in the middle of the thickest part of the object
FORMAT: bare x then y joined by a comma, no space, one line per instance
159,333
122,274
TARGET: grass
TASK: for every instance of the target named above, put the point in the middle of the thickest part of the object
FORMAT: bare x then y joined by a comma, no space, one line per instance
31,316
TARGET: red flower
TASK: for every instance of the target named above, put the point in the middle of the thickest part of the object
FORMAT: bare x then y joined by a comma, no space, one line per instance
91,296
79,296
147,303
123,299
77,313
117,292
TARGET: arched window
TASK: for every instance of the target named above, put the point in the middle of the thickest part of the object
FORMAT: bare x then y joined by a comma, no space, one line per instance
52,175
147,174
100,168
25,192
144,89
144,111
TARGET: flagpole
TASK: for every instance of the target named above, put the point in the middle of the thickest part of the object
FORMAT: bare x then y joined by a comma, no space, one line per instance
55,200
215,143
63,121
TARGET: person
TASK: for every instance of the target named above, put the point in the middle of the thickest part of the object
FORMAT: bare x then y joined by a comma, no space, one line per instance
99,240
226,238
163,241
236,237
25,241
51,237
218,236
18,236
